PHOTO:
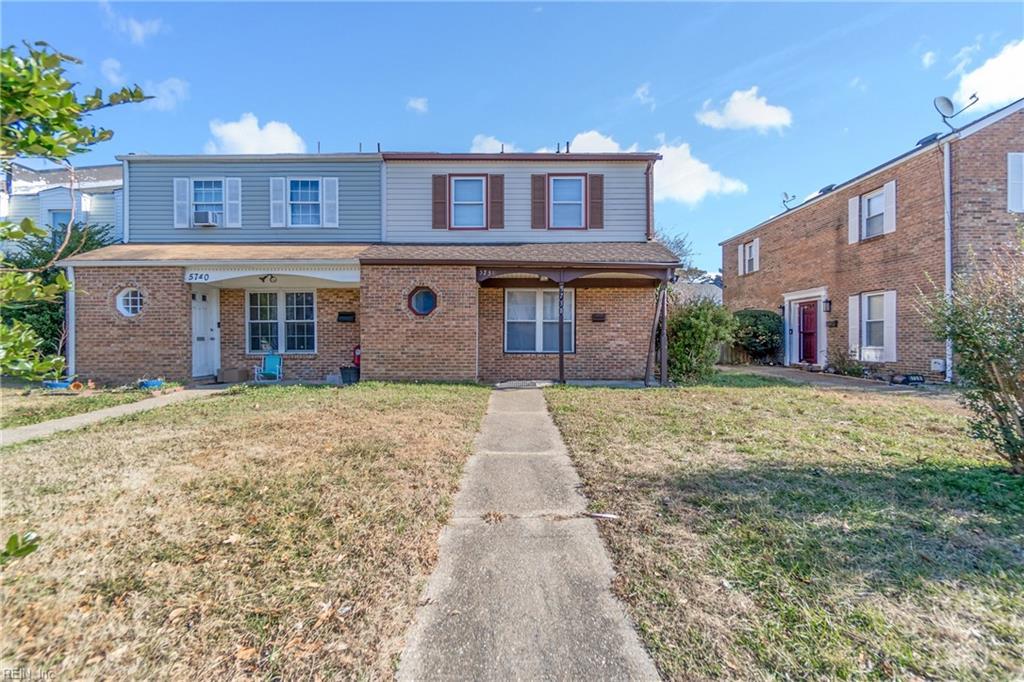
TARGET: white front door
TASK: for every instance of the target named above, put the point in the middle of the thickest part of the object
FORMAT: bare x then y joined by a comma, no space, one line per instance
205,332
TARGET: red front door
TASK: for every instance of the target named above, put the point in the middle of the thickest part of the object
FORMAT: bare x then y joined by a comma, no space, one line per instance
809,332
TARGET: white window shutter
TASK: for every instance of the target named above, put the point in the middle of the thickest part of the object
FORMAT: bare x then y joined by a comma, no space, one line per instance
853,220
889,221
854,327
181,203
757,254
741,262
232,202
889,331
1015,182
277,202
329,201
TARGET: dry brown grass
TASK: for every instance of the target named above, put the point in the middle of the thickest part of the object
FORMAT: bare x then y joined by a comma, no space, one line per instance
23,403
278,531
773,531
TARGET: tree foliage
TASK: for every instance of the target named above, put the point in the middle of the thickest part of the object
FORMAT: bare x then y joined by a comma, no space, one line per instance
680,245
42,117
759,332
695,331
984,318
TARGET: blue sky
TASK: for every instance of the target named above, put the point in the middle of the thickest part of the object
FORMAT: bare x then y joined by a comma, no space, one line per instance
746,101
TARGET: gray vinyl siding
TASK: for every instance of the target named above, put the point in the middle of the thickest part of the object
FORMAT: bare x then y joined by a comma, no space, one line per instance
409,202
23,206
151,201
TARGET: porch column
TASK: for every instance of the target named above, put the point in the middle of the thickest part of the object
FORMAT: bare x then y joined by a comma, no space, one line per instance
664,335
561,334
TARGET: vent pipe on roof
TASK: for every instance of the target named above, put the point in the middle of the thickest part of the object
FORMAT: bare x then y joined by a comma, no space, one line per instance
567,146
558,147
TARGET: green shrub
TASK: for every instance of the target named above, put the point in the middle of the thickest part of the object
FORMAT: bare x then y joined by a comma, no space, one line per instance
985,321
695,330
759,332
845,365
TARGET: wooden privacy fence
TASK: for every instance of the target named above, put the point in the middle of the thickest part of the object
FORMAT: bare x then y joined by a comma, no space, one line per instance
729,354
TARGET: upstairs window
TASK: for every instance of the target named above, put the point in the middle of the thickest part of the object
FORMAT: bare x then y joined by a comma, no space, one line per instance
467,209
304,202
207,202
749,257
873,214
1015,182
567,197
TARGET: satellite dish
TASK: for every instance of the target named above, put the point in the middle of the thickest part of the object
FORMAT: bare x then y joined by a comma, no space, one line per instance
944,106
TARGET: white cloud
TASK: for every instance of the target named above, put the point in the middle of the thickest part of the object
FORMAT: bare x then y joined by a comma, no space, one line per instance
488,144
857,83
963,58
167,94
928,59
594,142
136,30
998,81
417,104
247,136
643,95
682,177
744,109
111,70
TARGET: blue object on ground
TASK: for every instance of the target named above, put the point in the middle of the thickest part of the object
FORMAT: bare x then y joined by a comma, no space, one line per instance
151,383
55,385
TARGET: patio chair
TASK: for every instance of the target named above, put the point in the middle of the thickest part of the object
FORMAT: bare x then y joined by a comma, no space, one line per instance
271,370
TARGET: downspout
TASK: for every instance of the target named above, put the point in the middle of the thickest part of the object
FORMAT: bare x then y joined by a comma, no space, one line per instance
649,180
124,201
947,196
69,321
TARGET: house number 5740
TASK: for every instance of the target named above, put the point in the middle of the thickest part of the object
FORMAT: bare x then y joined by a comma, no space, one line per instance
197,277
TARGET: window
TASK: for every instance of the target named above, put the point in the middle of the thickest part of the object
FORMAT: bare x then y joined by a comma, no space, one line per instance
422,301
278,320
1015,182
129,302
468,202
748,257
567,202
873,214
874,321
208,195
304,203
531,321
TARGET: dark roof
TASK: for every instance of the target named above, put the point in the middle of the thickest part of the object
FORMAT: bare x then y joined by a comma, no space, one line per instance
560,253
521,156
187,253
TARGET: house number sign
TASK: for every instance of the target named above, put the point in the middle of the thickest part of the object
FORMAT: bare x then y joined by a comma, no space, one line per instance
197,277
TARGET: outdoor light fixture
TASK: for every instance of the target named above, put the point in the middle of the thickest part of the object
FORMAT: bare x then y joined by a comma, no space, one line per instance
826,305
782,309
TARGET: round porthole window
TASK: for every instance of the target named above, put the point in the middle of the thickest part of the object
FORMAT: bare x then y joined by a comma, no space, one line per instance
422,301
129,302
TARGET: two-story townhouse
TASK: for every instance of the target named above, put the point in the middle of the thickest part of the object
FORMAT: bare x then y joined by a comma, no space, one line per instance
436,266
846,268
45,196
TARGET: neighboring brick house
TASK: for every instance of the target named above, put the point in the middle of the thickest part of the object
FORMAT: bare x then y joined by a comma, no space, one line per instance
438,266
845,267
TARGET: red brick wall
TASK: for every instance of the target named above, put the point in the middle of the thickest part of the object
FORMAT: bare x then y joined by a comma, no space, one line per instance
399,345
614,349
334,340
809,249
981,221
113,349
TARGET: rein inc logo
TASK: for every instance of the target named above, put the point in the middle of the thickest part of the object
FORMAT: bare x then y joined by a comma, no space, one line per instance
27,674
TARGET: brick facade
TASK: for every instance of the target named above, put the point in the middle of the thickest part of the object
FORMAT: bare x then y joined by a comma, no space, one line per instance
808,248
400,345
334,340
613,349
113,349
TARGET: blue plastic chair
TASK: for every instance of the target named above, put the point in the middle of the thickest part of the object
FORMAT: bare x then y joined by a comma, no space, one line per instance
271,370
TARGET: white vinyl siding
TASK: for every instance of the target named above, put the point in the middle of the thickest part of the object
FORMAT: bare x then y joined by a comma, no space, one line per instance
872,326
409,201
280,321
531,321
1015,182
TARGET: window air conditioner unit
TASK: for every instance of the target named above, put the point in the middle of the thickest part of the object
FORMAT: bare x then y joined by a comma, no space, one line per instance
204,219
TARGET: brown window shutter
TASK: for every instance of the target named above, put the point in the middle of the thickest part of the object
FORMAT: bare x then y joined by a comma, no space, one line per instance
496,200
595,194
440,202
539,202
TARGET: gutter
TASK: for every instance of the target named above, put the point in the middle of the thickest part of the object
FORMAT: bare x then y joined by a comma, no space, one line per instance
947,201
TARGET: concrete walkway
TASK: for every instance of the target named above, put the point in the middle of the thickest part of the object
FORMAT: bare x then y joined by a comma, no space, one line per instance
43,429
522,585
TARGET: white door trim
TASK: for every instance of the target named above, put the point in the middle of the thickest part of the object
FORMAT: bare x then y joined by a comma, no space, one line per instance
791,324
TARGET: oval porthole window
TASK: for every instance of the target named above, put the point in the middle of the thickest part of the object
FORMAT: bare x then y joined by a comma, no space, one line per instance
129,302
422,301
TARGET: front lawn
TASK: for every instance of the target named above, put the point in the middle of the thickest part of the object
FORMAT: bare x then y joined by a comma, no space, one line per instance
22,404
774,530
270,531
